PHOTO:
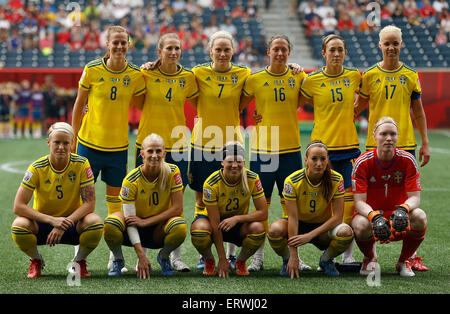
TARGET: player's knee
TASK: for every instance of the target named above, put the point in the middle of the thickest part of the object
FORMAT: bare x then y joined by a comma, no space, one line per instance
256,227
344,231
277,229
176,227
418,219
22,222
114,228
201,239
361,226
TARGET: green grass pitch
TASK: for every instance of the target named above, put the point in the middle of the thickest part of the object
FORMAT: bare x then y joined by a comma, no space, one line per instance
16,155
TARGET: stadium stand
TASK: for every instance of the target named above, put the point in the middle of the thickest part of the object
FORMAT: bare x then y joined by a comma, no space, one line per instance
146,20
420,21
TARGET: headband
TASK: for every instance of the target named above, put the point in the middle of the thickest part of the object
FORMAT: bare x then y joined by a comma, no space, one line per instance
384,122
317,144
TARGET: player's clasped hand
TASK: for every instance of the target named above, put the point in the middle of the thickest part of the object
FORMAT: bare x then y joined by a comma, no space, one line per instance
62,223
54,236
399,219
381,228
133,220
227,224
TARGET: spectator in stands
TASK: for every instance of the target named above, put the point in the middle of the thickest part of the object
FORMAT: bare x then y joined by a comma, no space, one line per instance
237,11
445,24
178,6
185,37
251,10
385,13
150,13
106,10
5,26
193,8
76,40
15,42
61,17
199,38
398,11
91,40
46,42
247,54
91,11
309,12
414,19
329,23
205,3
228,26
212,26
325,9
409,7
30,33
315,27
345,23
63,36
441,38
438,5
427,13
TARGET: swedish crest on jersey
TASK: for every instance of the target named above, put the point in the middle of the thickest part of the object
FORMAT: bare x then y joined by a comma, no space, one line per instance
402,79
398,176
346,82
234,78
72,176
126,81
182,82
291,82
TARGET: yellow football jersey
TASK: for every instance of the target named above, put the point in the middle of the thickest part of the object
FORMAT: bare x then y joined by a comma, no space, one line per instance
389,94
276,99
105,125
57,193
231,199
334,98
312,206
163,111
218,106
147,196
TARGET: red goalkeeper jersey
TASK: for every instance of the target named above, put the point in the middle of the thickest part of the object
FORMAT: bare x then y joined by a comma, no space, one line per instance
386,183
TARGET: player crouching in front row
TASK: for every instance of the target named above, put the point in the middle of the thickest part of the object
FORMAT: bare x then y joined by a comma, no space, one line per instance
315,205
226,194
386,187
64,203
152,201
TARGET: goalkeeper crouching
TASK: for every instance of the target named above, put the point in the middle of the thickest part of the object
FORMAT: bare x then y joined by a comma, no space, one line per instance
386,187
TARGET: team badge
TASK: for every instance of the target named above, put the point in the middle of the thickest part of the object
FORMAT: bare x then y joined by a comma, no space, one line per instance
402,79
288,188
126,81
207,194
182,82
234,78
125,191
398,177
27,177
72,176
346,82
291,82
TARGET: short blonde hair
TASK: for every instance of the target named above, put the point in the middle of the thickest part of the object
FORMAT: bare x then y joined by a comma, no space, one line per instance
218,35
164,175
390,28
61,127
